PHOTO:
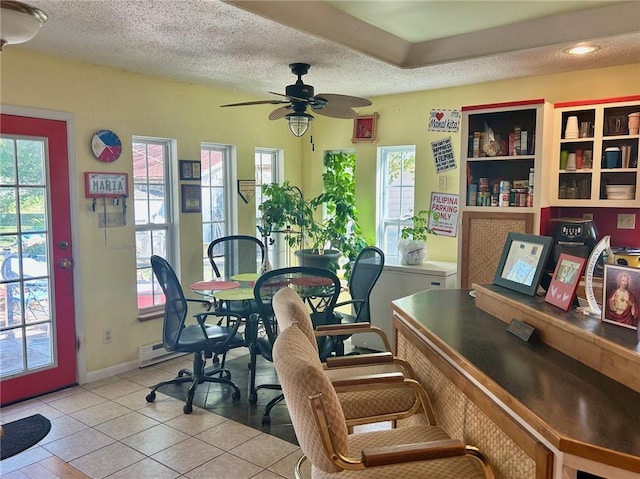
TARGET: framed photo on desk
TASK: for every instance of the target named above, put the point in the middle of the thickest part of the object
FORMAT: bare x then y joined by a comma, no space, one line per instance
564,282
522,262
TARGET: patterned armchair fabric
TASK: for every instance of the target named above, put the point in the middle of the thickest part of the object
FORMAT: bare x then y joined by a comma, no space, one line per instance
359,407
321,429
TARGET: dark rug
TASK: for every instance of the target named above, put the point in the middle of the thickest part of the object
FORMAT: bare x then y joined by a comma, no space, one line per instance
22,434
217,398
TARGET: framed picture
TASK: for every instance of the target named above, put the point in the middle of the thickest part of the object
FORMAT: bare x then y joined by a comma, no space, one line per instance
191,199
365,129
564,282
522,262
621,295
189,170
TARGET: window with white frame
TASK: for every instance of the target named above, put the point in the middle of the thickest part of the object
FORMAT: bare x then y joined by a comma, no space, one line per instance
217,170
267,170
153,213
396,185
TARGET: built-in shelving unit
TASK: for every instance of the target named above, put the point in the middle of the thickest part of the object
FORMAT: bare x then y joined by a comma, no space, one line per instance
488,210
518,129
608,128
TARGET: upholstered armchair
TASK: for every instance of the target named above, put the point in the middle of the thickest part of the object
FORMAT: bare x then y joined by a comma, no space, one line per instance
322,429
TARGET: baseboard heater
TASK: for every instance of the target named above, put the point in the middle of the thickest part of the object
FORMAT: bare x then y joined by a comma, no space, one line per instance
155,353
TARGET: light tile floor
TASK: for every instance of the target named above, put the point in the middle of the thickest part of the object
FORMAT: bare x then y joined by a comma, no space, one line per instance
106,429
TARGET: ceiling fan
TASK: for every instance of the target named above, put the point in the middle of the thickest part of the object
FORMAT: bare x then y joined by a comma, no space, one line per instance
300,96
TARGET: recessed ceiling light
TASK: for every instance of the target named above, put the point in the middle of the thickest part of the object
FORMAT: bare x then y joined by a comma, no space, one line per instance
582,49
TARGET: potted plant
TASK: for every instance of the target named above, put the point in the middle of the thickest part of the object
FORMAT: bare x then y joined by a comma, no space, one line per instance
413,237
319,243
340,228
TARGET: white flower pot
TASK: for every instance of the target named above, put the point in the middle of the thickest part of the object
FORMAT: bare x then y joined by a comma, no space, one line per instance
413,252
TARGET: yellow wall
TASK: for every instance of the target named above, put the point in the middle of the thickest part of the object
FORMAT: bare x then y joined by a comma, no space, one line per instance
130,105
404,118
133,104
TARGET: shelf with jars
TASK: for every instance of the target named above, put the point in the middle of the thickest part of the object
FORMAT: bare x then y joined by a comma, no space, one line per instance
595,153
503,146
502,156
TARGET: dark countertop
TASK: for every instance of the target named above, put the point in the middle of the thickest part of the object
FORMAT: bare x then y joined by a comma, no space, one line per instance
577,402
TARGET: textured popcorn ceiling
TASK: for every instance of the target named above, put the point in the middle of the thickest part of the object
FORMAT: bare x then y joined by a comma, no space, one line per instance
246,46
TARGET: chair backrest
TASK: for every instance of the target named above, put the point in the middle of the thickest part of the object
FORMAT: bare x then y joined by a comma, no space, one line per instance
235,254
175,307
301,376
289,309
319,289
364,275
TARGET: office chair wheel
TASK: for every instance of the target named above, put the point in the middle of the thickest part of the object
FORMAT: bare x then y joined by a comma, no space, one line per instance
187,408
235,396
266,420
253,398
151,397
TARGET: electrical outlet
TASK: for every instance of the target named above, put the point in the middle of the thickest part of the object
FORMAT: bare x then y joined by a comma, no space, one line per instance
626,222
106,336
442,183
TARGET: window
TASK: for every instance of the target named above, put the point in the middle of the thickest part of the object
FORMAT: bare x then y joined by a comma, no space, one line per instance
396,183
218,175
153,213
267,170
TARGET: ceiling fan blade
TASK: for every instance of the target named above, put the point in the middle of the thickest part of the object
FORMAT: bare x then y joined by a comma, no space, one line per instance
259,102
280,112
345,100
335,111
306,100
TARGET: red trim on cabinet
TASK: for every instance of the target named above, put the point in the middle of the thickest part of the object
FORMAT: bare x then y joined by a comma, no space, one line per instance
508,104
565,104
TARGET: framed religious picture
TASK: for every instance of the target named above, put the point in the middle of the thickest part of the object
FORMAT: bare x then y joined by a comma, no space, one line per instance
621,296
191,199
365,129
522,262
564,282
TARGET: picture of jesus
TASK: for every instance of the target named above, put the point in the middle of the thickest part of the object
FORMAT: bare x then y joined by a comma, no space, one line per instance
621,297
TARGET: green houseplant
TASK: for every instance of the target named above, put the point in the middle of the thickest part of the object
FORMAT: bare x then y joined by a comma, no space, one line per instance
285,210
413,237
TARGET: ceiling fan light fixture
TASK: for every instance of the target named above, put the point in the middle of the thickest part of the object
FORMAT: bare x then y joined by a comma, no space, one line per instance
299,122
19,22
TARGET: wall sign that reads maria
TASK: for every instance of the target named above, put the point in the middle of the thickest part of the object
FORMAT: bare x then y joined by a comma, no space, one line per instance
444,120
107,185
446,205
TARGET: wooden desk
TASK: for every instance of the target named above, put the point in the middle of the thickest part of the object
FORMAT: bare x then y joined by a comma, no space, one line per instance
536,412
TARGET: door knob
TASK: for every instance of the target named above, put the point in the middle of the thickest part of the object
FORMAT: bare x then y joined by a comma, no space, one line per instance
65,263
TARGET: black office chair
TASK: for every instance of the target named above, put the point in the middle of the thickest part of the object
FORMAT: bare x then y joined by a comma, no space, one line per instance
367,268
318,287
231,257
203,340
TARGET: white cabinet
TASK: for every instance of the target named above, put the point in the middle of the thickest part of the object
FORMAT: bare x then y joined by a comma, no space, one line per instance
606,123
397,281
